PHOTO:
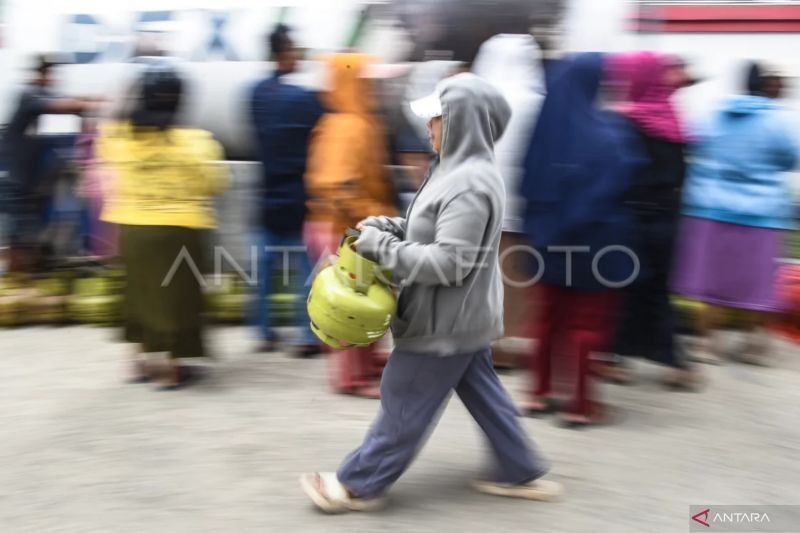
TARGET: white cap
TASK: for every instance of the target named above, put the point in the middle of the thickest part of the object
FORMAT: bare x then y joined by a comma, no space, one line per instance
427,107
772,69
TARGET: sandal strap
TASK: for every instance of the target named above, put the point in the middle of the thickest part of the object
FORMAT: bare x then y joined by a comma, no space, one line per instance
332,487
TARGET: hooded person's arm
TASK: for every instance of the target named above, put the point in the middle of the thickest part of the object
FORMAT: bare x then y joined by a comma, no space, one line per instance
460,228
394,225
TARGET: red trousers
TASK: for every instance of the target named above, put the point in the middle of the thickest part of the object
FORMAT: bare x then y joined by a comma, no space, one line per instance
571,325
354,368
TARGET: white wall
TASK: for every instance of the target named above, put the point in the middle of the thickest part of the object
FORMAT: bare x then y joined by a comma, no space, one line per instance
596,25
218,88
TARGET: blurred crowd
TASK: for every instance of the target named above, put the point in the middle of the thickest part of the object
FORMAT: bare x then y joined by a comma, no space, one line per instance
615,206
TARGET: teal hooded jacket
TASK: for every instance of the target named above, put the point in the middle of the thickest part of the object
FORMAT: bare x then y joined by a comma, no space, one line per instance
736,173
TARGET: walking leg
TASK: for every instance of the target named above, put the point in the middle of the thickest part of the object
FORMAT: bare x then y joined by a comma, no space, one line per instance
541,363
261,318
489,404
303,285
414,389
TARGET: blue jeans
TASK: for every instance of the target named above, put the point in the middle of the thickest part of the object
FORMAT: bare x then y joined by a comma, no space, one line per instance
287,254
414,390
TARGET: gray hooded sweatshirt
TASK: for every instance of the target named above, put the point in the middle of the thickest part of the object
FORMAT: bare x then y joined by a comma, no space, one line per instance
444,253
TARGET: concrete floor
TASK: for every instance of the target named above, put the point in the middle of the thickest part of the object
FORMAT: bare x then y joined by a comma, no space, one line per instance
80,452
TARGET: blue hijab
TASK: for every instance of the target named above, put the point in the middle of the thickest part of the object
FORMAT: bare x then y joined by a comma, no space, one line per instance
578,167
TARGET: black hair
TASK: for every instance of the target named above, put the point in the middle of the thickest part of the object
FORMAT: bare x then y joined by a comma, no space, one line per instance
280,40
160,93
43,63
754,79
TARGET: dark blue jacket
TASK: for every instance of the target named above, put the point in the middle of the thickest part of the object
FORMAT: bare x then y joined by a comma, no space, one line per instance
283,116
578,169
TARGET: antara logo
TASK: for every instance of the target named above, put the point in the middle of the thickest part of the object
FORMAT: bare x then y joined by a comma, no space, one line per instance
707,518
702,517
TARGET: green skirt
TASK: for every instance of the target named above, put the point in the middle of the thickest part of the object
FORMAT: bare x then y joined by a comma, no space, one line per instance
163,305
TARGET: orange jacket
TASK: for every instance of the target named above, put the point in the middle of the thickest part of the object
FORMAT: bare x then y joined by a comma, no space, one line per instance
346,175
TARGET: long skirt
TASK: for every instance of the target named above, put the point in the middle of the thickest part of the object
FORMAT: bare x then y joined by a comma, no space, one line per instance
728,264
647,322
163,305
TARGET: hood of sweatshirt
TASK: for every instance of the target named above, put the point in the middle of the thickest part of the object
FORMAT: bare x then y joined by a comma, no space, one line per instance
422,81
474,115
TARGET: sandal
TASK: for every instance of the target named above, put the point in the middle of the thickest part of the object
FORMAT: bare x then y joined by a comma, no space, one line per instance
307,351
600,415
684,380
537,490
267,346
705,357
330,496
187,375
539,405
141,373
612,373
370,392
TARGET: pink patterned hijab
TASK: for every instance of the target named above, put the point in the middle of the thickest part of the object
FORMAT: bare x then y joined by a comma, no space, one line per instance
647,95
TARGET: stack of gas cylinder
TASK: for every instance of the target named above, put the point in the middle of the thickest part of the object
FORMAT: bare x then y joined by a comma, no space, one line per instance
97,297
60,298
226,298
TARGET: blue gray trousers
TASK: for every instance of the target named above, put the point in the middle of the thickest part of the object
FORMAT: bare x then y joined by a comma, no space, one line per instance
414,390
272,246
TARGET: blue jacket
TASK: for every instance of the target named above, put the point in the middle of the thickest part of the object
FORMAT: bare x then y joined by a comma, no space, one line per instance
283,116
737,165
579,166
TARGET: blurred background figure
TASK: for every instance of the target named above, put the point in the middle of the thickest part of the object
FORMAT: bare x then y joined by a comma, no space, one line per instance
737,206
347,181
578,170
28,193
647,322
512,63
167,177
283,116
95,185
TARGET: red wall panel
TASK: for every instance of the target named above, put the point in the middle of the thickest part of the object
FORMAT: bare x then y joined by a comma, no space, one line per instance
718,19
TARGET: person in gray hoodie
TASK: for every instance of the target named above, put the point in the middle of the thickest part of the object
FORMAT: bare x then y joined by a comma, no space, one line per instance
450,308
